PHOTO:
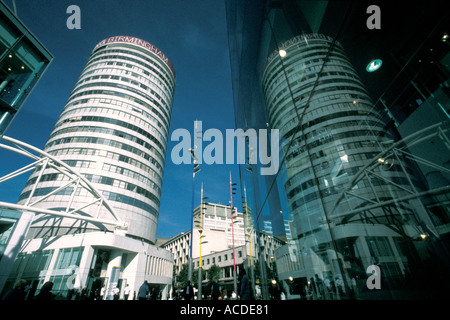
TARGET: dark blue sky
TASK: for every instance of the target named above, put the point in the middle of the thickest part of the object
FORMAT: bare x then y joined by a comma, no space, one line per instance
191,33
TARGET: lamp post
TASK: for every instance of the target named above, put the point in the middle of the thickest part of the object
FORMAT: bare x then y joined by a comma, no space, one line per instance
249,235
232,188
200,230
194,171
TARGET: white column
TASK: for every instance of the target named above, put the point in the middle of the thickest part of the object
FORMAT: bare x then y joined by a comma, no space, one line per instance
85,265
115,260
13,247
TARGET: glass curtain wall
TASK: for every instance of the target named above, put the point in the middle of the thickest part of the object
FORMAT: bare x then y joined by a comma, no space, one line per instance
361,103
23,60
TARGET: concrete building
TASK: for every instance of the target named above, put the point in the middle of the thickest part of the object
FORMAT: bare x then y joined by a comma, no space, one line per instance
218,249
113,133
114,130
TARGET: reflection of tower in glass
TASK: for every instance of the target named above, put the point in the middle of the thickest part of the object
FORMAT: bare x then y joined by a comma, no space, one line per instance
338,128
114,131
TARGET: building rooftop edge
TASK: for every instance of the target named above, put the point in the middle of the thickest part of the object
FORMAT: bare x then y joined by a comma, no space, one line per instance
138,42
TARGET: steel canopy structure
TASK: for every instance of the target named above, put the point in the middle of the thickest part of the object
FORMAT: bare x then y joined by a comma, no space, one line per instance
362,207
41,161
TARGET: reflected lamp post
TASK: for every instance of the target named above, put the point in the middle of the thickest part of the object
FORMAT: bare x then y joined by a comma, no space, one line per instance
232,188
248,235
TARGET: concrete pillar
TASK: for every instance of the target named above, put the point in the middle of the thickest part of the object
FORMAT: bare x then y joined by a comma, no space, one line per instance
85,264
113,271
51,265
13,247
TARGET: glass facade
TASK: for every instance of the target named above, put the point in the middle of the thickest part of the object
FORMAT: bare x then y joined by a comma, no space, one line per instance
361,194
114,131
8,220
23,60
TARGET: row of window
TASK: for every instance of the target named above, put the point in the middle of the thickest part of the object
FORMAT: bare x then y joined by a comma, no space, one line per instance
150,79
68,111
332,115
293,79
122,185
152,90
113,132
122,115
85,87
297,54
107,194
291,120
130,201
302,75
159,65
332,189
113,60
212,260
124,96
281,107
109,155
105,167
107,142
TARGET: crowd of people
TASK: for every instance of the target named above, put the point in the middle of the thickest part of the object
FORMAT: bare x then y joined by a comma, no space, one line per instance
22,290
214,291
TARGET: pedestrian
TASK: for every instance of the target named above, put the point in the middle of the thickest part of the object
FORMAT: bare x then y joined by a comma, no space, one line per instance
84,293
45,292
143,291
116,293
17,293
258,292
245,286
275,291
126,292
153,294
225,294
29,291
102,292
215,291
188,291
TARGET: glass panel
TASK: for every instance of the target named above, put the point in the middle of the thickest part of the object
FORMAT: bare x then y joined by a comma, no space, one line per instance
363,144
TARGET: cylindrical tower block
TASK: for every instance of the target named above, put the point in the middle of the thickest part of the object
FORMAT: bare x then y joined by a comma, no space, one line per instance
114,131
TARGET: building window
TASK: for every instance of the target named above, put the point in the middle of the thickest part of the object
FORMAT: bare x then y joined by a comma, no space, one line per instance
68,257
379,246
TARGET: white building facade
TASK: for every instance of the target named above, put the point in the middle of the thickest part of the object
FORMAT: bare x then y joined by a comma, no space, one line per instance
217,244
113,130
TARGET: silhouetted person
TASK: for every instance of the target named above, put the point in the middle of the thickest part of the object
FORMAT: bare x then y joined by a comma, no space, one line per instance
45,293
17,293
245,286
215,291
188,291
143,291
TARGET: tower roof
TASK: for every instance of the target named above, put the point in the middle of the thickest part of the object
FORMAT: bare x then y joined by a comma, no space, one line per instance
139,42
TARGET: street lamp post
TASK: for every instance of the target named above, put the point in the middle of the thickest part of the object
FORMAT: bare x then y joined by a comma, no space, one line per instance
200,230
194,171
232,188
249,235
